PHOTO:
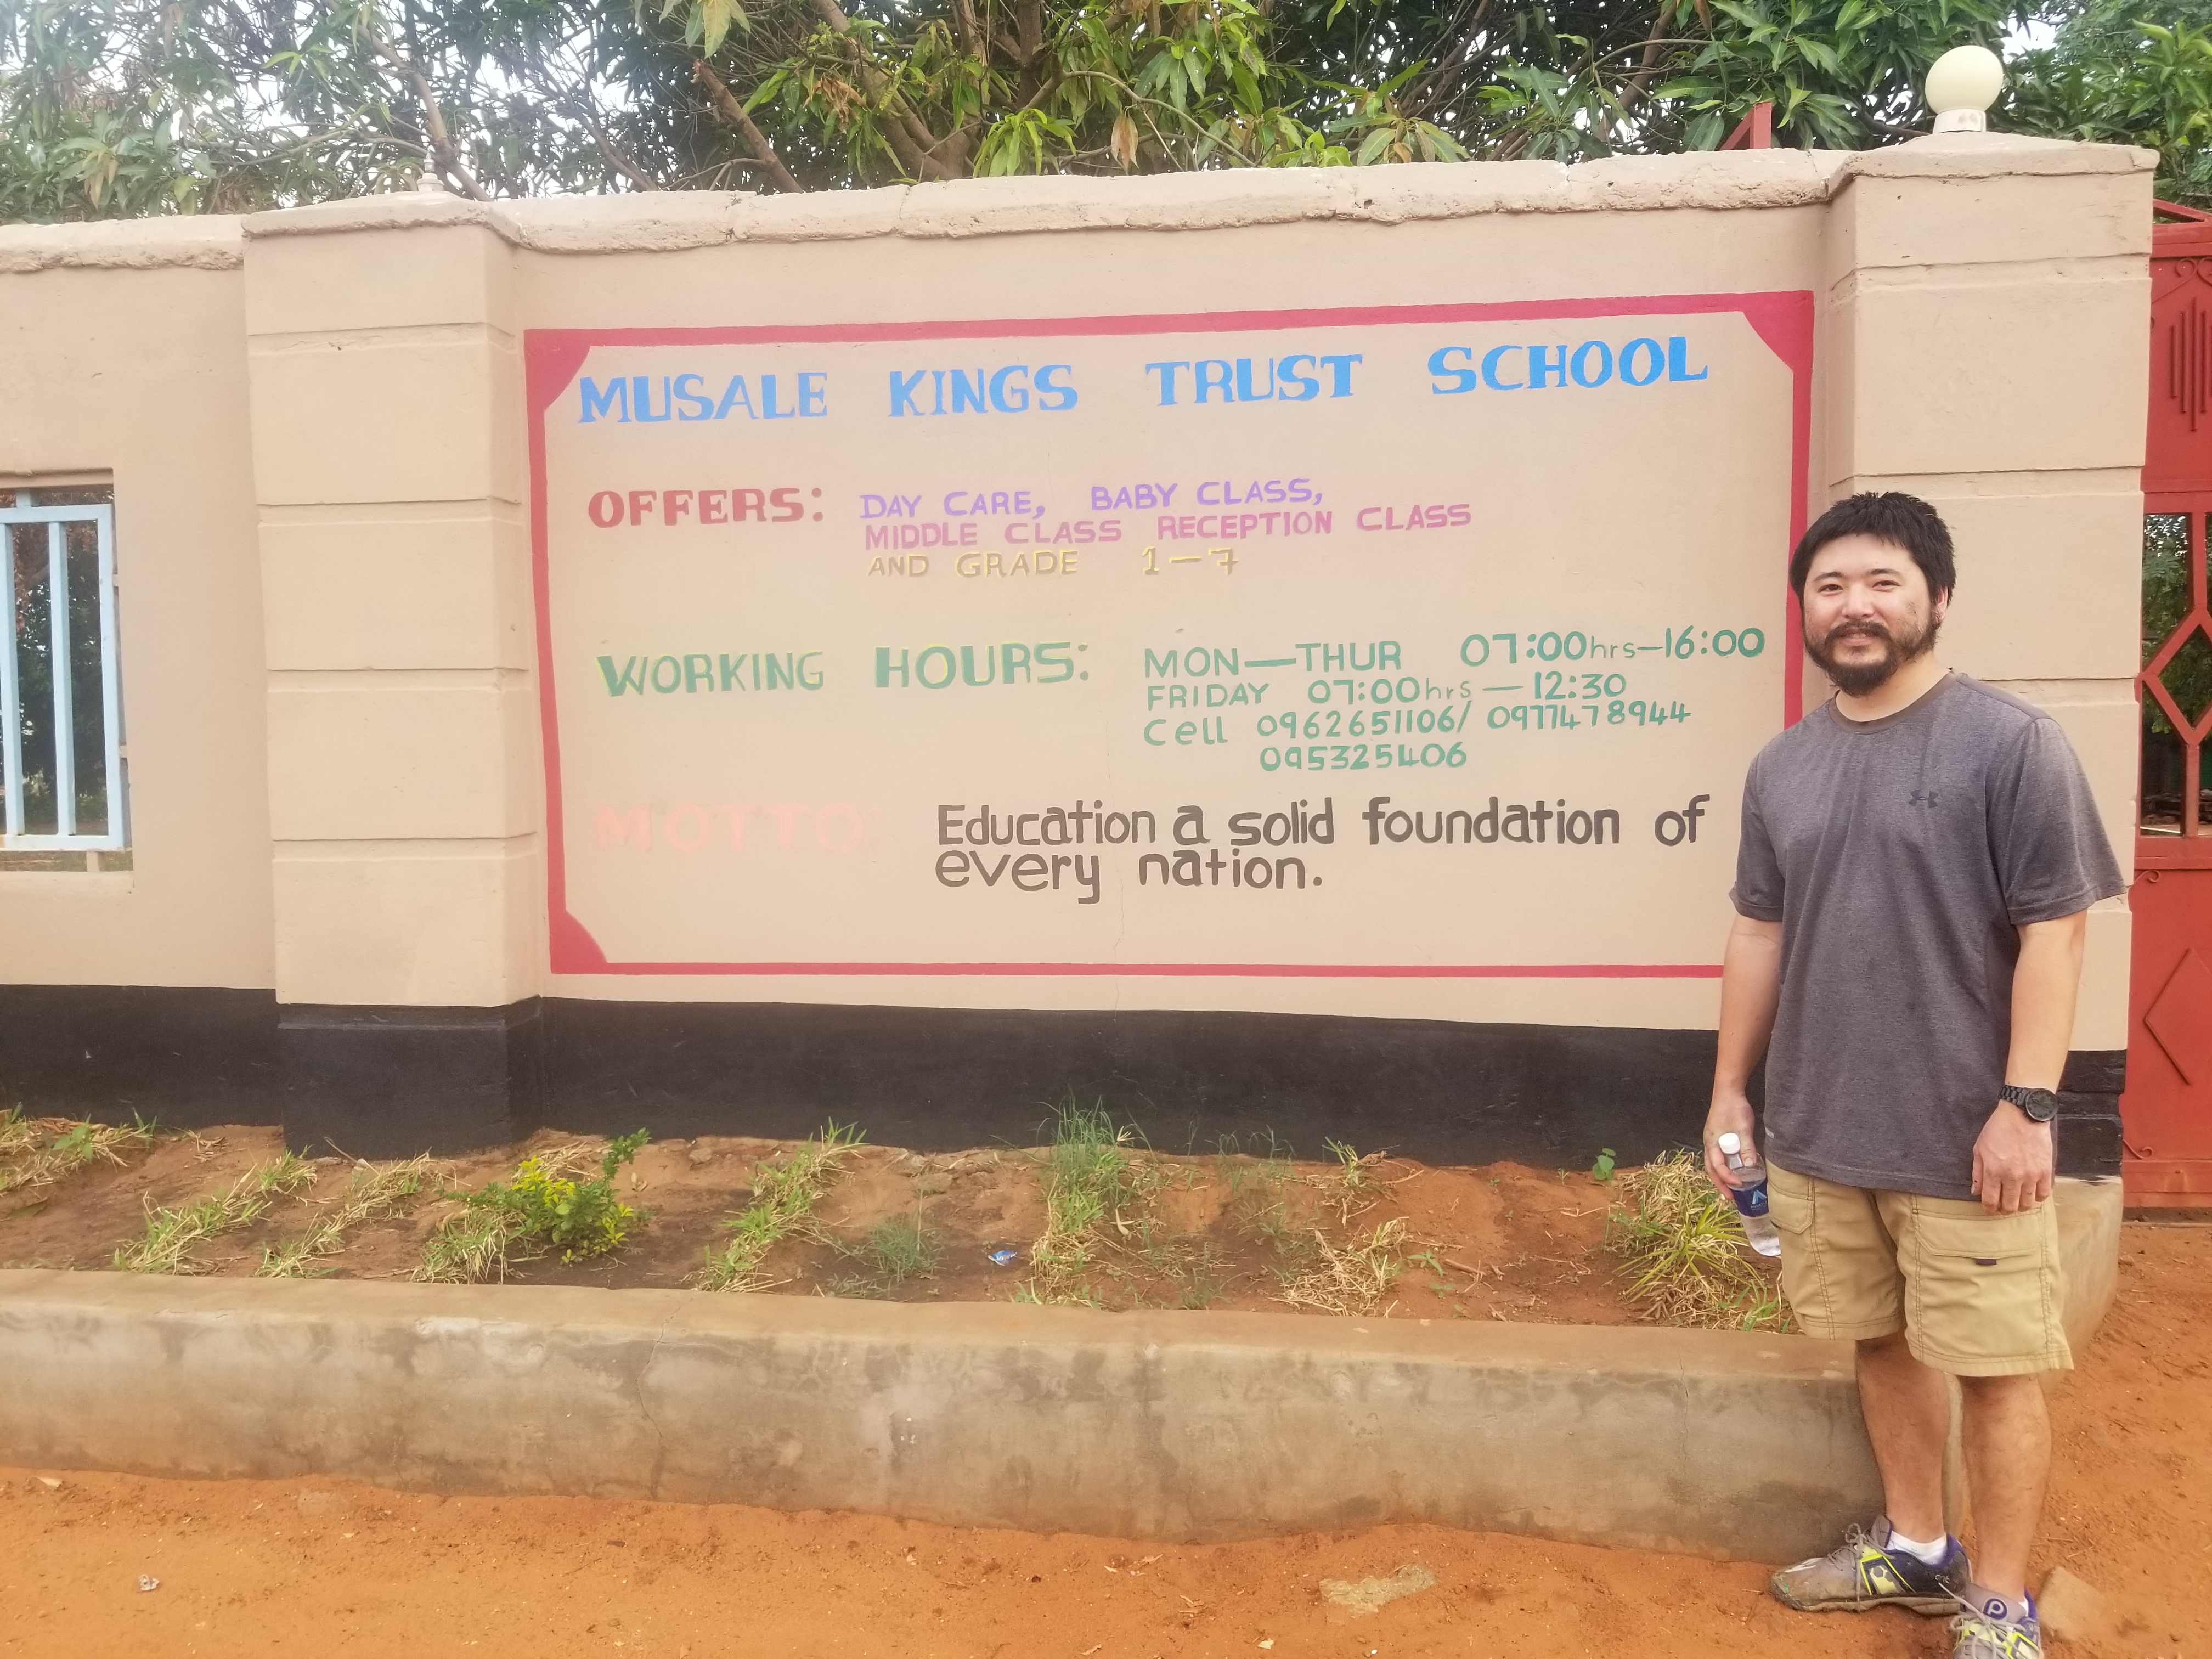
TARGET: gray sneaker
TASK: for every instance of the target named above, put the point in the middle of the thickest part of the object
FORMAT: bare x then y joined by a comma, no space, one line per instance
1863,1572
1988,1629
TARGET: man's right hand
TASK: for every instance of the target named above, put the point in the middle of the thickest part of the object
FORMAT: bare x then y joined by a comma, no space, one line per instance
1729,1114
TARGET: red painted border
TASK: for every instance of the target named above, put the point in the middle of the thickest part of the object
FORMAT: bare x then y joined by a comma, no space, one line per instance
551,358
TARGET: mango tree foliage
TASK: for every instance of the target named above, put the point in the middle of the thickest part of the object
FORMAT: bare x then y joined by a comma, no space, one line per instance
112,107
2126,72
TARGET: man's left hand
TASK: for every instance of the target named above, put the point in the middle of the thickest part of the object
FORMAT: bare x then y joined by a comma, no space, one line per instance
2012,1161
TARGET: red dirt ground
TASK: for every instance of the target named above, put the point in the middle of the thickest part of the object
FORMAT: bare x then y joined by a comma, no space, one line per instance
322,1568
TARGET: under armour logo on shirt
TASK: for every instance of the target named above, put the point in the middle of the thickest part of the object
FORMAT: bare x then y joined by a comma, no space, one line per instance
1923,798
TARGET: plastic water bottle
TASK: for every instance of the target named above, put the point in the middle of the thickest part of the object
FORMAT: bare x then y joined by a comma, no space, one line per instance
1751,1197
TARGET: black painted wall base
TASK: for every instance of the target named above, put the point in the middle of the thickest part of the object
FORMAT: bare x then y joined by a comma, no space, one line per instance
392,1082
189,1057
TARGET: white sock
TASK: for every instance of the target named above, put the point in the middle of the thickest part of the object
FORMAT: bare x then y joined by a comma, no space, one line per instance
1926,1554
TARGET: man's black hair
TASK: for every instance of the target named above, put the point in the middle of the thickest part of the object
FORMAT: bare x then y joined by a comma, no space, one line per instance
1902,520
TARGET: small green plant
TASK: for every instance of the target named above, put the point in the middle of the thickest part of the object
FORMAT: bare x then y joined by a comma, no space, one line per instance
1259,1199
543,1209
891,1254
1683,1252
39,1152
785,1192
1351,1188
171,1234
1601,1170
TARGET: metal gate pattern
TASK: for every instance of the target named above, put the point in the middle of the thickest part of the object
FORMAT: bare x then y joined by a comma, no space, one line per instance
2166,1109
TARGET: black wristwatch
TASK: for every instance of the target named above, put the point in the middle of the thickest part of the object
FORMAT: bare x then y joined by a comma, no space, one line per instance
2039,1104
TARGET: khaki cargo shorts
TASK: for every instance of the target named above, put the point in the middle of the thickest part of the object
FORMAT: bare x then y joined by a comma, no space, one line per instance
1975,1294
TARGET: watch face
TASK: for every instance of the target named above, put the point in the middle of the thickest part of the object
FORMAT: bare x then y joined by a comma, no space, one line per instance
2040,1105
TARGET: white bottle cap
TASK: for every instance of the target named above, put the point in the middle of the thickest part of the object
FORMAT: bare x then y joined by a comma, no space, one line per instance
1729,1143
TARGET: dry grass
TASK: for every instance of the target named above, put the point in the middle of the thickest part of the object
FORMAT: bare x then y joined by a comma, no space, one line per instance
38,1151
1349,1278
373,1191
172,1235
1683,1253
1352,1188
785,1192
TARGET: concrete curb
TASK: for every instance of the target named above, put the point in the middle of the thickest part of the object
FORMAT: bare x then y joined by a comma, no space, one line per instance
1184,1426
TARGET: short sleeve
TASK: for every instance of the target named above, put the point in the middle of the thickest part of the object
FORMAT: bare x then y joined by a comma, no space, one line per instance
2051,854
1758,890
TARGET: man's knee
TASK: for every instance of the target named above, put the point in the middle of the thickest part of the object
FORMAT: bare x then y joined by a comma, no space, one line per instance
1997,1392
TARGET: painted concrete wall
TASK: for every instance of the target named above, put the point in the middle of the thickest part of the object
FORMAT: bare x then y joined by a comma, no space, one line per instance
356,479
123,359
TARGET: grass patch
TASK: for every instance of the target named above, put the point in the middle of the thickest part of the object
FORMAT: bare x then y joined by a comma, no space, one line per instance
373,1192
1349,1278
1352,1188
545,1208
891,1254
171,1236
37,1151
785,1192
1095,1190
1683,1253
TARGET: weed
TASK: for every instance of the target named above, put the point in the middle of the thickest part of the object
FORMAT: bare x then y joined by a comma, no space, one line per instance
785,1193
372,1194
1351,1188
39,1152
1682,1250
892,1253
1259,1197
1056,1296
1601,1170
1201,1280
473,1247
544,1209
1092,1183
171,1234
1349,1278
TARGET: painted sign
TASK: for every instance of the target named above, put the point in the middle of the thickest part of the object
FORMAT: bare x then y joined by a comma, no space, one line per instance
1417,641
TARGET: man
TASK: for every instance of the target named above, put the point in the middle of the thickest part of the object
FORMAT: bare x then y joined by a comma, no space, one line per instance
1917,857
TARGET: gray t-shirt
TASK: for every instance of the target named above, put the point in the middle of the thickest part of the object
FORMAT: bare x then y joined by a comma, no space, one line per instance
1900,855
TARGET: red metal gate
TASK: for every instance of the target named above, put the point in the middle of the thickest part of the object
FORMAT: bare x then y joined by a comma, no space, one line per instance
2165,1112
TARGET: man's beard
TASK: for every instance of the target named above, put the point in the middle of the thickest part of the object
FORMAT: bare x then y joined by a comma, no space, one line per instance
1857,679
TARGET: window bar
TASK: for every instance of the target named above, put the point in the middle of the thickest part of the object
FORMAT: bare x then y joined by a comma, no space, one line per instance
110,686
58,609
11,703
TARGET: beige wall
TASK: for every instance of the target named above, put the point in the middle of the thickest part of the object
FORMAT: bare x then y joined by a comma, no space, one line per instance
1980,303
122,353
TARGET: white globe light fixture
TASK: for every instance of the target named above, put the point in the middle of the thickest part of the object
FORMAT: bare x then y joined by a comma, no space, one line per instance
1961,86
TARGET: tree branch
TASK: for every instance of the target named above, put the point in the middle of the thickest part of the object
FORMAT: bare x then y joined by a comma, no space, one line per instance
611,153
909,137
963,22
732,111
1648,65
442,148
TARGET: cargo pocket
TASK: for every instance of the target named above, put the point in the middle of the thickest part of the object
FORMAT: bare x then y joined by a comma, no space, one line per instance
1982,1291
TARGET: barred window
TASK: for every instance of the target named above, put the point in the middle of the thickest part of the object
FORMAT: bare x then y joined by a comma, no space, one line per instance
61,713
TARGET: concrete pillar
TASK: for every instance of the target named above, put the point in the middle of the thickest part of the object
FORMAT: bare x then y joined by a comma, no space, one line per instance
403,789
1985,350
